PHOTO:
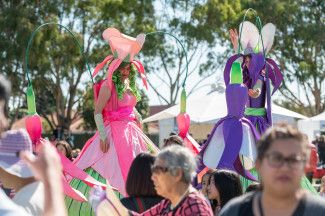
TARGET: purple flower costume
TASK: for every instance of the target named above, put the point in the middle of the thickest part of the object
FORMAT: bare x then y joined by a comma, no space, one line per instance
231,144
253,76
255,108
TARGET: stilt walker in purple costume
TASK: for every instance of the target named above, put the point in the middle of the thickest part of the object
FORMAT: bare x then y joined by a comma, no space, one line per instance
231,144
257,70
257,73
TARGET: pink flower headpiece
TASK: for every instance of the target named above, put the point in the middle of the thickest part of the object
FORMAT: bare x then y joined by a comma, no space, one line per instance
124,48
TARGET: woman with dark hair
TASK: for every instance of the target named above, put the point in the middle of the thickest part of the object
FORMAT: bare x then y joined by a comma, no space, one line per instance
224,185
140,188
206,181
64,148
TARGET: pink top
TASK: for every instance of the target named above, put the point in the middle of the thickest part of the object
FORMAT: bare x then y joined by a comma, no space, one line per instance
128,100
116,109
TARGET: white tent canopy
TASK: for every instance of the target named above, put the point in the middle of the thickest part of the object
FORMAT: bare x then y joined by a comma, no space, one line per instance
313,125
210,108
319,117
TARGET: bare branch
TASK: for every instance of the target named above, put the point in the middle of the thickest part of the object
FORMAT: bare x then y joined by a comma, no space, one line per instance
198,83
77,101
190,60
202,86
194,52
158,94
52,119
306,92
161,79
76,115
283,92
165,67
291,96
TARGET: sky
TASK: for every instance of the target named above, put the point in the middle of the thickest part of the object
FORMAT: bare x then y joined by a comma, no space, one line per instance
191,80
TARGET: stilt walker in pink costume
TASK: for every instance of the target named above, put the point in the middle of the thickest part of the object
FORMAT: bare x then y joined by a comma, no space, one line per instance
119,139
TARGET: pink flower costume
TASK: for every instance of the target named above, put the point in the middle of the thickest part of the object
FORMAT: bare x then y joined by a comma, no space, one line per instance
125,138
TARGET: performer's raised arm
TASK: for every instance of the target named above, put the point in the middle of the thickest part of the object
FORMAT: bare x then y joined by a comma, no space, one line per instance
234,38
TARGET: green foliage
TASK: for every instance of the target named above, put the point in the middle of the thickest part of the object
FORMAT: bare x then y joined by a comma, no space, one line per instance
88,109
143,105
56,65
299,48
59,72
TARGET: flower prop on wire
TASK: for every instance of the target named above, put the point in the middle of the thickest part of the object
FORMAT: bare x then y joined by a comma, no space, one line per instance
183,123
183,119
34,128
33,121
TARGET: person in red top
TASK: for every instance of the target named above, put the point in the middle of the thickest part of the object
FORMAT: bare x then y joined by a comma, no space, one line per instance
172,174
311,166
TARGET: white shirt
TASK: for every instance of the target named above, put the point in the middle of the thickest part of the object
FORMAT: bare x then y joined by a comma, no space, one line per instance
31,198
9,208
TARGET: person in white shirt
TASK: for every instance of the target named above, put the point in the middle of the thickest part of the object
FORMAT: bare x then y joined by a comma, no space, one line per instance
14,173
27,175
9,208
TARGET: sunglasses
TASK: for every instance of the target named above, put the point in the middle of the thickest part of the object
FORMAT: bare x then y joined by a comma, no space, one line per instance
158,169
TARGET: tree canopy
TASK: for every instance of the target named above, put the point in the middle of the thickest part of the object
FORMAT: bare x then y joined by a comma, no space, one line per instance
60,75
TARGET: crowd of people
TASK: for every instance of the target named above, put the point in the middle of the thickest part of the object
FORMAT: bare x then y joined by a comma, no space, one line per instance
140,179
165,185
